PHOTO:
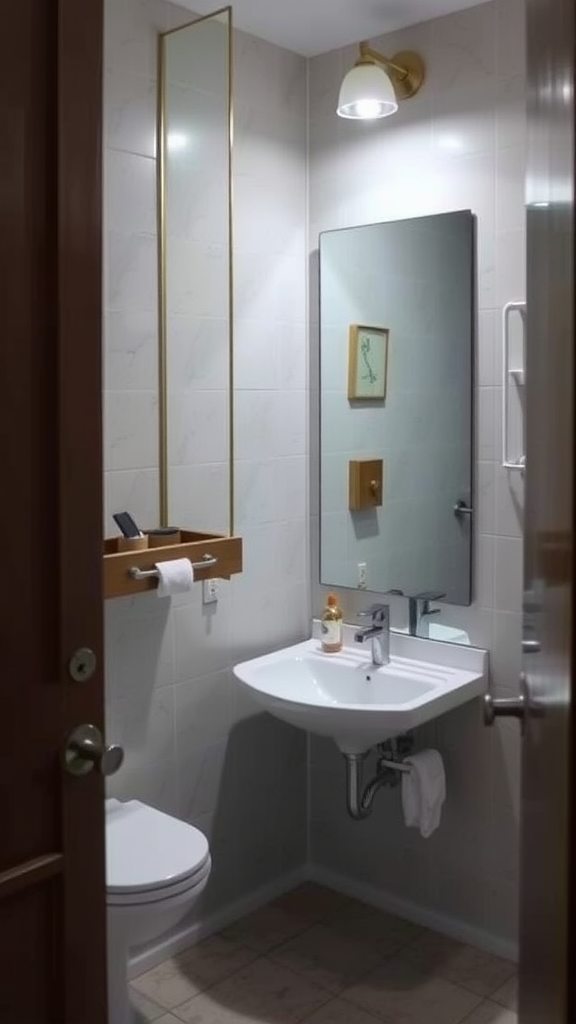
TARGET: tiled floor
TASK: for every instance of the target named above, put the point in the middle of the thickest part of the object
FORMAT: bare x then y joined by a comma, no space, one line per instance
319,957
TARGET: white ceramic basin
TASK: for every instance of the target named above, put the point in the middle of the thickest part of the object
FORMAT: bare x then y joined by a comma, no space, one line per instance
356,703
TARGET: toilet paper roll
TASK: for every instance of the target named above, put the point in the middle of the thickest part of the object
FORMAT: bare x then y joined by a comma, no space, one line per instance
174,577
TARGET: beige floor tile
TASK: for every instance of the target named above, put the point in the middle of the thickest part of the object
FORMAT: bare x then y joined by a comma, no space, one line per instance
311,902
266,928
144,1008
507,994
339,1011
385,932
400,992
183,976
169,1018
464,965
263,991
490,1013
327,957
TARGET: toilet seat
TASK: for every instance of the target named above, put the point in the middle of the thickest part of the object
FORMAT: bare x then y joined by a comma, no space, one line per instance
151,856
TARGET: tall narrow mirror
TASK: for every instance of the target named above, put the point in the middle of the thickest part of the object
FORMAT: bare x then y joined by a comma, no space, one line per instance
396,325
195,267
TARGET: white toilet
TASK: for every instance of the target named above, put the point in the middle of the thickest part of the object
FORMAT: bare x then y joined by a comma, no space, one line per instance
156,867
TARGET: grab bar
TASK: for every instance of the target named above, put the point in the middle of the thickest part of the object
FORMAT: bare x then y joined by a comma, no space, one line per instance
509,308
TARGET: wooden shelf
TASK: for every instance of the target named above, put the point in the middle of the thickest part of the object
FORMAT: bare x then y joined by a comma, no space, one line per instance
195,546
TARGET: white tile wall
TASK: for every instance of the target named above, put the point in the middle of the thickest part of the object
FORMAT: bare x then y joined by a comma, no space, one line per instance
459,144
195,746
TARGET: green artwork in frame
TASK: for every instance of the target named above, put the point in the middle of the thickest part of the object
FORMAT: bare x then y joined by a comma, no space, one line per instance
367,361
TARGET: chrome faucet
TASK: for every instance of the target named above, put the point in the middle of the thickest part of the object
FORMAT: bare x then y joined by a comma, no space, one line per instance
378,633
419,608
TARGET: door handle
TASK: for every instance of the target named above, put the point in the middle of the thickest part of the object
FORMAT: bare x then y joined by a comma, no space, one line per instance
530,647
507,707
85,750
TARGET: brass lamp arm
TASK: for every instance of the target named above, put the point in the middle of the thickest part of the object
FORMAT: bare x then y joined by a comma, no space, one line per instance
379,58
406,70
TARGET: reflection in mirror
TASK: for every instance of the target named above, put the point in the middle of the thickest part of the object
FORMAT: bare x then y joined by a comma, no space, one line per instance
194,205
396,330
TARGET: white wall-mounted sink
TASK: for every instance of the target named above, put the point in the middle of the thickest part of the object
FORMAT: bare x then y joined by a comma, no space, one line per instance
356,703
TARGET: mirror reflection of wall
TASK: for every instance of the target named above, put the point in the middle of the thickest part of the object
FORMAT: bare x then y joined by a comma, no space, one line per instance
414,279
195,234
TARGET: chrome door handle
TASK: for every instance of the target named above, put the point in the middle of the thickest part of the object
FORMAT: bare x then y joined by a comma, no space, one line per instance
85,750
462,509
531,646
507,707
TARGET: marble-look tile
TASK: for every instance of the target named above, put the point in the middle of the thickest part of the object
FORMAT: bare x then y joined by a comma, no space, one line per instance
490,1013
129,192
131,350
131,34
130,272
267,928
507,994
464,965
508,574
144,1009
262,991
312,902
402,993
463,48
178,979
339,1011
130,112
203,708
385,932
136,489
327,957
131,430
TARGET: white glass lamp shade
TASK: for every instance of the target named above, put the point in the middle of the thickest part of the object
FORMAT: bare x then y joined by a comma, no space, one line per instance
366,93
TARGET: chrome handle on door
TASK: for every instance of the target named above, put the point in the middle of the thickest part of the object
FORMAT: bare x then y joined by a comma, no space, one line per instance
507,707
462,509
530,646
85,750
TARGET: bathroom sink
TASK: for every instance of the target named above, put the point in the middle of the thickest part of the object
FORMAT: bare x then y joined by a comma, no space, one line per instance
357,703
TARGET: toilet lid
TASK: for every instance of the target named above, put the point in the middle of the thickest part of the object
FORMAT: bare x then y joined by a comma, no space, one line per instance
147,849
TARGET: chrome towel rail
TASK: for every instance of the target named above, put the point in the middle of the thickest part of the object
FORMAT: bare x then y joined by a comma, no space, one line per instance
507,374
149,574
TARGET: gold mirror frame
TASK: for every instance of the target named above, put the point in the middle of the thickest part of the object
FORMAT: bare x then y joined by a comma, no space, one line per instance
161,164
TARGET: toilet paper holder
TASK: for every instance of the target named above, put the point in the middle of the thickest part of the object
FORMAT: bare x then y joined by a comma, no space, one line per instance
147,574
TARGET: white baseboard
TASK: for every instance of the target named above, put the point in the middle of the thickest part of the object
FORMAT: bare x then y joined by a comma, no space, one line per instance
442,923
180,940
453,927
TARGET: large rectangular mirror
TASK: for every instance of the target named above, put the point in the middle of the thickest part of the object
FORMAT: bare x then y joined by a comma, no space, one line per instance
195,264
396,357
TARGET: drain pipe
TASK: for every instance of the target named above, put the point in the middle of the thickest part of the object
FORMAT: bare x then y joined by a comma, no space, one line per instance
359,799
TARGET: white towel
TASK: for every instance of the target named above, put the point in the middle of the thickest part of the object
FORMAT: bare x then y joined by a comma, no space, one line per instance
423,791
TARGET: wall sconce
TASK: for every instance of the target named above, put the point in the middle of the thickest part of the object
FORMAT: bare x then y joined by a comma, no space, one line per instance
374,85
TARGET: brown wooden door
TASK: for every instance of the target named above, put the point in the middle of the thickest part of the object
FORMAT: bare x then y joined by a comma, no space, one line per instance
52,905
547,931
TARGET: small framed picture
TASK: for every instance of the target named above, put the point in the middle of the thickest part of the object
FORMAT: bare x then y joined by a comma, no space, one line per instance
367,361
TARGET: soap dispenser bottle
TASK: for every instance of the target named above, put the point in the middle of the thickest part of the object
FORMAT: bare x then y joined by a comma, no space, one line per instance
331,626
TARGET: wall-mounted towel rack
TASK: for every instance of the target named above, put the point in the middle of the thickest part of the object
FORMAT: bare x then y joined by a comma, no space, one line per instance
511,374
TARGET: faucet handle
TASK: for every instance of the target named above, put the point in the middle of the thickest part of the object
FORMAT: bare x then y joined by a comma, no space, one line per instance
377,612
